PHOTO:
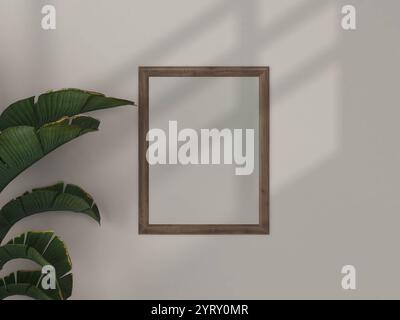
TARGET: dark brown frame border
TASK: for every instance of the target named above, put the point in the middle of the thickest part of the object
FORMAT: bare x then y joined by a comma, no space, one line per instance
263,74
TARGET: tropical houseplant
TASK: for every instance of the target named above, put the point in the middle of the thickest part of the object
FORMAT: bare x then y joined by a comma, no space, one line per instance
29,130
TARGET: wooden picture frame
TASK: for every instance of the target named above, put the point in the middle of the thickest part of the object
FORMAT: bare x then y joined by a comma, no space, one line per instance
263,75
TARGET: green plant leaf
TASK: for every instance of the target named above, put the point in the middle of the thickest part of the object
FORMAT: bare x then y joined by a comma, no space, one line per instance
54,105
28,283
22,146
44,248
53,198
28,131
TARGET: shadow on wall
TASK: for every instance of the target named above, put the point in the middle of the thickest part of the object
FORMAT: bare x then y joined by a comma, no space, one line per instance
353,190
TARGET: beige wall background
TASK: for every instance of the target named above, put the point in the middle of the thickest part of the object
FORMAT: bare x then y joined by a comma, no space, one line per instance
334,143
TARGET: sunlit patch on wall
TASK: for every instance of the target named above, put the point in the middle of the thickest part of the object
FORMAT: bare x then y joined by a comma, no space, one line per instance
305,127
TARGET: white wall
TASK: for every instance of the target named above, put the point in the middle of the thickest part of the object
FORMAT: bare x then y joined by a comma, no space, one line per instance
334,142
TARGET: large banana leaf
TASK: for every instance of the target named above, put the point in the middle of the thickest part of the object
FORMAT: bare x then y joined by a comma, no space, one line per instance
52,198
54,105
28,283
22,146
44,248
